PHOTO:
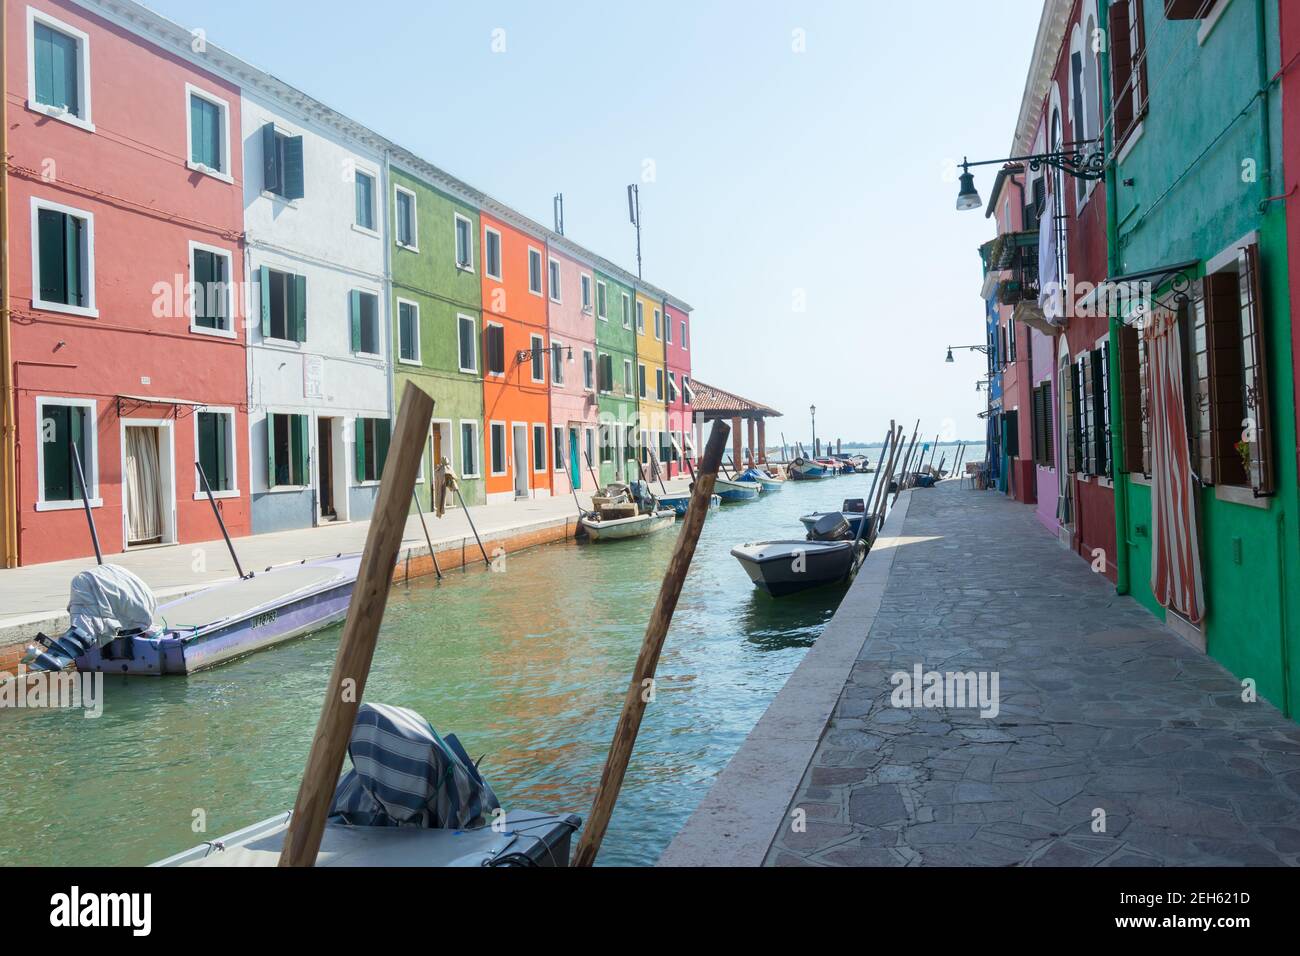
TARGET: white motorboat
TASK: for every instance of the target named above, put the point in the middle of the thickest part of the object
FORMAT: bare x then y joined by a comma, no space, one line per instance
784,567
599,528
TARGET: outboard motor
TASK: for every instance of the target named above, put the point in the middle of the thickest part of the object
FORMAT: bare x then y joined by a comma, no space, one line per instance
830,527
854,506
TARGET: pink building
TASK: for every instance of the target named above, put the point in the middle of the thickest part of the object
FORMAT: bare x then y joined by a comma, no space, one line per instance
571,327
677,362
125,225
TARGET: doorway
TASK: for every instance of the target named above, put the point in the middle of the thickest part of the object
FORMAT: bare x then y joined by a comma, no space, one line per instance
148,501
441,448
521,461
575,467
325,467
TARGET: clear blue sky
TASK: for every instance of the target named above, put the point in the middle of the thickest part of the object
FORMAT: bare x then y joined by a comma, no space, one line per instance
826,171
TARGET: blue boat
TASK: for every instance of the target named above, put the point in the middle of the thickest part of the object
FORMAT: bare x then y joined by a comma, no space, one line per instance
763,478
729,490
680,503
804,469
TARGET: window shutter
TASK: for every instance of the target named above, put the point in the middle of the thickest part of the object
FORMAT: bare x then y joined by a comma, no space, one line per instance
354,317
206,422
1049,417
1131,399
1121,69
72,227
359,451
1197,389
1076,423
300,308
1100,412
271,180
299,446
1254,377
270,451
1139,57
43,52
77,447
221,429
293,168
264,288
383,432
53,271
1223,314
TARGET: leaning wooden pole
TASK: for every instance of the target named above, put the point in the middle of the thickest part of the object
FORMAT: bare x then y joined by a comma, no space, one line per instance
356,648
878,519
886,448
634,703
905,470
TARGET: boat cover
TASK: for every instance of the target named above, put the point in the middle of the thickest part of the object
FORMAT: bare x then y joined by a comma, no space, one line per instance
104,601
405,775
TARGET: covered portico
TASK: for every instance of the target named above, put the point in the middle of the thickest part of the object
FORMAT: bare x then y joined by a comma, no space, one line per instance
712,403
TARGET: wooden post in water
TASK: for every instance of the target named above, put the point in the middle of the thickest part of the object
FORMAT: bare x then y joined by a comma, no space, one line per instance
634,703
877,495
879,518
357,646
427,540
907,460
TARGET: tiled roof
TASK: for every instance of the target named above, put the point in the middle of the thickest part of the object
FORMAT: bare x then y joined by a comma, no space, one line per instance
711,399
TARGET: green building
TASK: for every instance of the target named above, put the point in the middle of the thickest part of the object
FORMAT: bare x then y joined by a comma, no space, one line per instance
437,324
616,378
1197,168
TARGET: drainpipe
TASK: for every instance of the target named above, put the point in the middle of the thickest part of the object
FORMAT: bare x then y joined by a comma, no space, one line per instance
8,461
1119,484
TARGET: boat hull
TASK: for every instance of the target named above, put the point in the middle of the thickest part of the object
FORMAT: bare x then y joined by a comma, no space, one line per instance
680,503
787,567
730,491
621,529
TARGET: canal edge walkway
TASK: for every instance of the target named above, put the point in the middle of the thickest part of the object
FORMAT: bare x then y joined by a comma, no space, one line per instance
738,819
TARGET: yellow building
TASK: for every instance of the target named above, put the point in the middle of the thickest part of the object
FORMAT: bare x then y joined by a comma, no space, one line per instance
652,388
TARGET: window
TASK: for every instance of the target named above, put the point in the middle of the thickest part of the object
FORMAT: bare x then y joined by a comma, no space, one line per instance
672,387
640,319
538,354
495,349
688,394
214,433
627,377
467,343
286,450
539,448
1090,408
67,427
464,244
1042,424
492,253
685,343
668,328
282,163
640,376
498,442
1133,401
659,384
210,289
57,72
659,327
558,449
408,332
606,444
64,264
534,271
602,301
469,450
209,129
588,443
627,311
405,230
284,305
588,370
1128,68
557,362
605,373
363,309
365,190
554,276
371,447
585,282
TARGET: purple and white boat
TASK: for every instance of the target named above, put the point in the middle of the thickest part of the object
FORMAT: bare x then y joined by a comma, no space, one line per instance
117,628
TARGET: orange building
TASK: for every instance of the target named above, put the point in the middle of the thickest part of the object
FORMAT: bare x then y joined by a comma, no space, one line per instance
517,365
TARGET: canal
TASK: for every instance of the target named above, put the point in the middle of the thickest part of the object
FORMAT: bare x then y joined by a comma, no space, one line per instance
528,666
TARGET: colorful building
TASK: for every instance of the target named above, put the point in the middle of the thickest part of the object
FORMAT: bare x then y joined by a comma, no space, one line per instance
575,405
124,162
651,382
437,321
616,366
677,363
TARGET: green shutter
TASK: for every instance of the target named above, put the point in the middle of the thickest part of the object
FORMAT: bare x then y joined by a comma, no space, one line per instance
53,271
264,287
206,423
203,262
359,451
299,449
270,451
354,315
43,52
383,431
56,69
293,171
270,160
72,227
300,308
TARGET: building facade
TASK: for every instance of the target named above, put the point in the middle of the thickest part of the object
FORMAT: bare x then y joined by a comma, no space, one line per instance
677,363
616,363
575,404
651,383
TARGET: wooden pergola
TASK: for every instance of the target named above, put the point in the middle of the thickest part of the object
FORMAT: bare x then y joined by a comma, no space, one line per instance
710,403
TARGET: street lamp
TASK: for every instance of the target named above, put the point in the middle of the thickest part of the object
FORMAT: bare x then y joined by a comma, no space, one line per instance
812,410
969,348
1083,160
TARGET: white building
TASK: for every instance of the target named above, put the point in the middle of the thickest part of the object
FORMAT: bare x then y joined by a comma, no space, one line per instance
318,368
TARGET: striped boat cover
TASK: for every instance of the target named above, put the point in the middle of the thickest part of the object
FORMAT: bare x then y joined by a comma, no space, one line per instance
1175,548
405,775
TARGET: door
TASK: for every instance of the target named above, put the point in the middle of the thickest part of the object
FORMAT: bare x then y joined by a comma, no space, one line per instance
144,493
575,467
436,463
521,461
325,468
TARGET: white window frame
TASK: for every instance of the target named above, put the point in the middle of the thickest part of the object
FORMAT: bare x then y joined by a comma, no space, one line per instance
557,347
659,325
558,441
685,342
639,309
585,290
271,412
627,310
456,220
537,345
83,71
589,448
668,328
491,444
533,451
487,372
478,448
673,393
414,245
487,259
92,454
541,274
379,325
553,279
87,311
191,290
231,452
602,295
589,363
474,336
629,378
221,174
359,170
640,367
659,385
397,318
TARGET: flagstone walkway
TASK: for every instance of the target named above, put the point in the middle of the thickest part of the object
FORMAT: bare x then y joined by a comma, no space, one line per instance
1102,711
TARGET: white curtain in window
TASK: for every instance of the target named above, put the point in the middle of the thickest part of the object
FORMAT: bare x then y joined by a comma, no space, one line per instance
143,494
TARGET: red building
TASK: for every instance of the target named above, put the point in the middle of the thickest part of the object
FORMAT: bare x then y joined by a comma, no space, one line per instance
677,362
125,219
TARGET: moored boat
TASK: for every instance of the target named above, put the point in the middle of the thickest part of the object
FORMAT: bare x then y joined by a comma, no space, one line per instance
805,469
766,480
729,490
785,567
636,526
679,503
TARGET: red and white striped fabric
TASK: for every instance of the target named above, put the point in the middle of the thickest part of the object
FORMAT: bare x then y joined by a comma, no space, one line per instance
1175,545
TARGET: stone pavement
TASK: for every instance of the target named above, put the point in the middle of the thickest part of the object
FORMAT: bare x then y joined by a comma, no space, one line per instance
1101,709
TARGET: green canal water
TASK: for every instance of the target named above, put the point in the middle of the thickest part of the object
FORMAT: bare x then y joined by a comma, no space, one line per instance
528,666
